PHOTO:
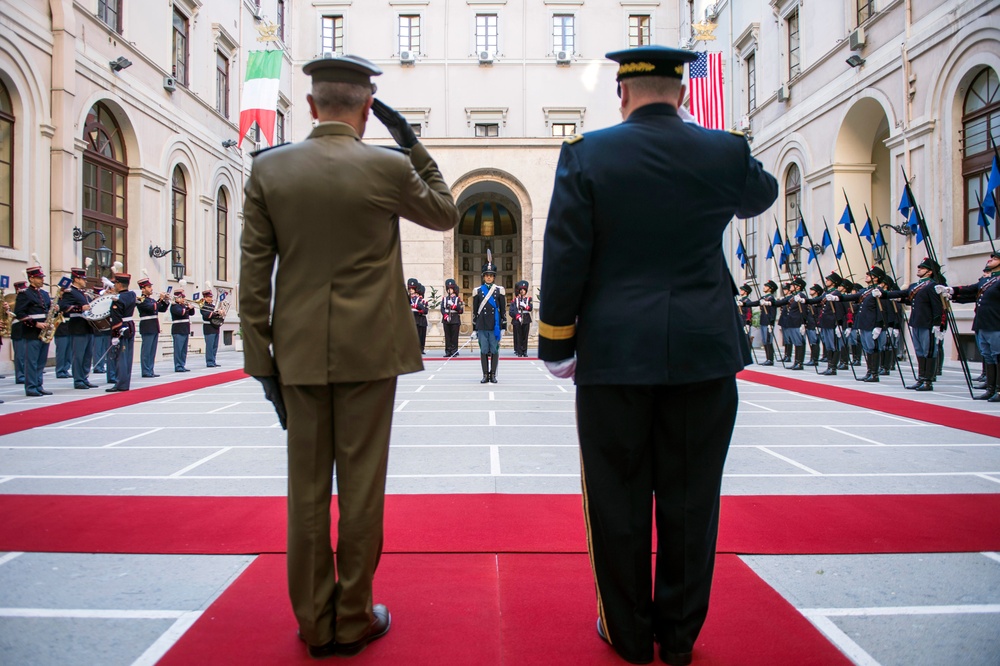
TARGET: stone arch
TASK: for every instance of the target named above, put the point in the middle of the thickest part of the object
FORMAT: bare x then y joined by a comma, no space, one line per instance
130,137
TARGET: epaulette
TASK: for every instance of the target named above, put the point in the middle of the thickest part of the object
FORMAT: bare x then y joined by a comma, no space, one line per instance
398,149
574,138
736,133
264,150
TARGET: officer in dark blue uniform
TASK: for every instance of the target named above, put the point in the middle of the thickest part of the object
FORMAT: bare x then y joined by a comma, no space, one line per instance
123,332
520,314
767,319
149,325
986,322
794,327
452,308
180,329
746,310
210,330
17,338
830,320
489,320
31,308
635,225
870,323
74,303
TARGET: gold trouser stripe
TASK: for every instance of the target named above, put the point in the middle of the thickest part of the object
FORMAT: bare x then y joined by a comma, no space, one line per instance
590,549
556,332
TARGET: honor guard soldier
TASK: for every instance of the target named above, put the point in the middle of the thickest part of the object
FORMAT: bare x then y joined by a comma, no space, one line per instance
489,320
74,303
122,332
149,325
520,312
870,323
746,310
635,285
927,320
829,320
986,322
32,309
766,320
794,329
812,333
180,329
17,338
418,306
452,308
210,330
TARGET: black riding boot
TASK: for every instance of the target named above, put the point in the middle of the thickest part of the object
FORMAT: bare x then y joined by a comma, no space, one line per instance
991,383
831,363
813,355
885,358
873,364
800,355
868,374
921,367
494,359
856,354
768,354
788,353
845,358
484,359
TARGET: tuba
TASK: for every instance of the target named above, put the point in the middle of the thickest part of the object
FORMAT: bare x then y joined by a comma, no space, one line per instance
218,318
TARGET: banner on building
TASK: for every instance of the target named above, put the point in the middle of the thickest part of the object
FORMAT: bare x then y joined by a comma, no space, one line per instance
706,91
260,93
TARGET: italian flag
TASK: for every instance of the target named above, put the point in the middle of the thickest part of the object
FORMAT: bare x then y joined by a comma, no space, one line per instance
260,93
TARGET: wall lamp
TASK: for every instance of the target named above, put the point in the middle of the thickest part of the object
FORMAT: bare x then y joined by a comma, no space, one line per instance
855,60
103,253
176,269
229,143
119,64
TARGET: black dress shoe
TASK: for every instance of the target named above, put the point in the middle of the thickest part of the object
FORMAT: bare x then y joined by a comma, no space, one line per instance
82,386
33,394
44,392
870,378
768,363
378,628
62,376
89,385
115,389
675,658
829,371
323,651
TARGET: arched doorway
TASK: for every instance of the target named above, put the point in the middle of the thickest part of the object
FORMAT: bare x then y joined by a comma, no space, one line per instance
104,191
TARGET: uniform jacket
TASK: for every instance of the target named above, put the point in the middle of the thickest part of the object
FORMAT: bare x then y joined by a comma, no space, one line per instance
986,295
208,328
926,310
149,321
486,320
792,312
830,313
180,315
31,308
71,304
451,309
767,309
871,314
520,309
634,279
418,306
746,310
122,324
329,207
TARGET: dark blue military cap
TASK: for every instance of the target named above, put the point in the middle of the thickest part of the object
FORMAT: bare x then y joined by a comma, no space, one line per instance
342,69
651,61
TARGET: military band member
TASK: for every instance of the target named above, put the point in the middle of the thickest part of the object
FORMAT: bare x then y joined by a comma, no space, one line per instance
180,329
870,323
489,320
986,322
794,329
210,330
149,325
812,334
927,320
32,308
74,303
122,332
767,319
17,339
452,308
520,312
64,350
830,320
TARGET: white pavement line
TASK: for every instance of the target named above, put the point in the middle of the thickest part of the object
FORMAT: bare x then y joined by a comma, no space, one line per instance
790,461
482,476
494,460
890,416
76,423
419,388
493,417
562,388
966,609
753,404
167,640
10,556
843,642
992,556
988,478
401,405
93,613
493,396
226,406
173,399
201,462
121,441
850,434
6,479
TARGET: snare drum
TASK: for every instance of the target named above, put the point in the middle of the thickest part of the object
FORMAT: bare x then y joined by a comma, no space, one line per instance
99,314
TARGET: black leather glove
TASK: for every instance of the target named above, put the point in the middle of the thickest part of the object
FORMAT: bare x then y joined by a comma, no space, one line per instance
397,125
272,391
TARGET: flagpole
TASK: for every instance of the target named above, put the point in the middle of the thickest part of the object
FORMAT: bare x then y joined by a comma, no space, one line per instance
753,280
856,232
826,227
781,289
989,234
818,266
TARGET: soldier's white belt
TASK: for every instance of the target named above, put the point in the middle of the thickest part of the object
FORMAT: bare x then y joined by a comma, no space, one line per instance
75,314
151,317
37,316
180,321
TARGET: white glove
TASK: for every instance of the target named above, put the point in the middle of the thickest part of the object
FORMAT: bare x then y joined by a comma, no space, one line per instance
877,293
799,298
564,369
802,329
848,331
944,290
685,115
746,329
876,332
115,341
938,334
833,297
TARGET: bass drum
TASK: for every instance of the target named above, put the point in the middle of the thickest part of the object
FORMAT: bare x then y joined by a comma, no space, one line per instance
99,315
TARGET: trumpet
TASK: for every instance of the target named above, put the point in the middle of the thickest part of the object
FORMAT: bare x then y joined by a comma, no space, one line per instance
6,313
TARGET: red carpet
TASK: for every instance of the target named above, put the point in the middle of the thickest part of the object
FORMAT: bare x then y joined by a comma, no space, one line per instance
43,416
484,609
984,424
497,524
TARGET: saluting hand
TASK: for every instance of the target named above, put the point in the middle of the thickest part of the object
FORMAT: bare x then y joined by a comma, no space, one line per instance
397,125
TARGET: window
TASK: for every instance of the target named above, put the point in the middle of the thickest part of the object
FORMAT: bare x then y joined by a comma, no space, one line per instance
110,13
417,128
750,245
865,10
221,236
222,83
332,36
104,194
281,20
563,33
486,33
638,30
6,169
279,128
793,202
563,129
794,64
980,120
178,207
487,130
751,69
180,47
409,33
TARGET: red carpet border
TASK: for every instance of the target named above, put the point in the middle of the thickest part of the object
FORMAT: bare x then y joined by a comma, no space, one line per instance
960,419
809,524
43,416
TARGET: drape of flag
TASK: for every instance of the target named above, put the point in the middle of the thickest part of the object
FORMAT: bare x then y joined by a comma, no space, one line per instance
879,240
840,249
706,90
989,202
866,230
847,219
914,223
827,241
801,232
741,253
260,93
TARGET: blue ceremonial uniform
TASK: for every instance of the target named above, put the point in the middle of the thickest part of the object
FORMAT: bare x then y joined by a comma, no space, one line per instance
180,331
81,335
211,333
149,330
31,308
123,329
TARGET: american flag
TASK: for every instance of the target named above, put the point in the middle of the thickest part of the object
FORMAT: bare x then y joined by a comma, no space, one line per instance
705,82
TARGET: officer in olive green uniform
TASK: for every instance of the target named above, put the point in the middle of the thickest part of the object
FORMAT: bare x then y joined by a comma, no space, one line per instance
327,209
